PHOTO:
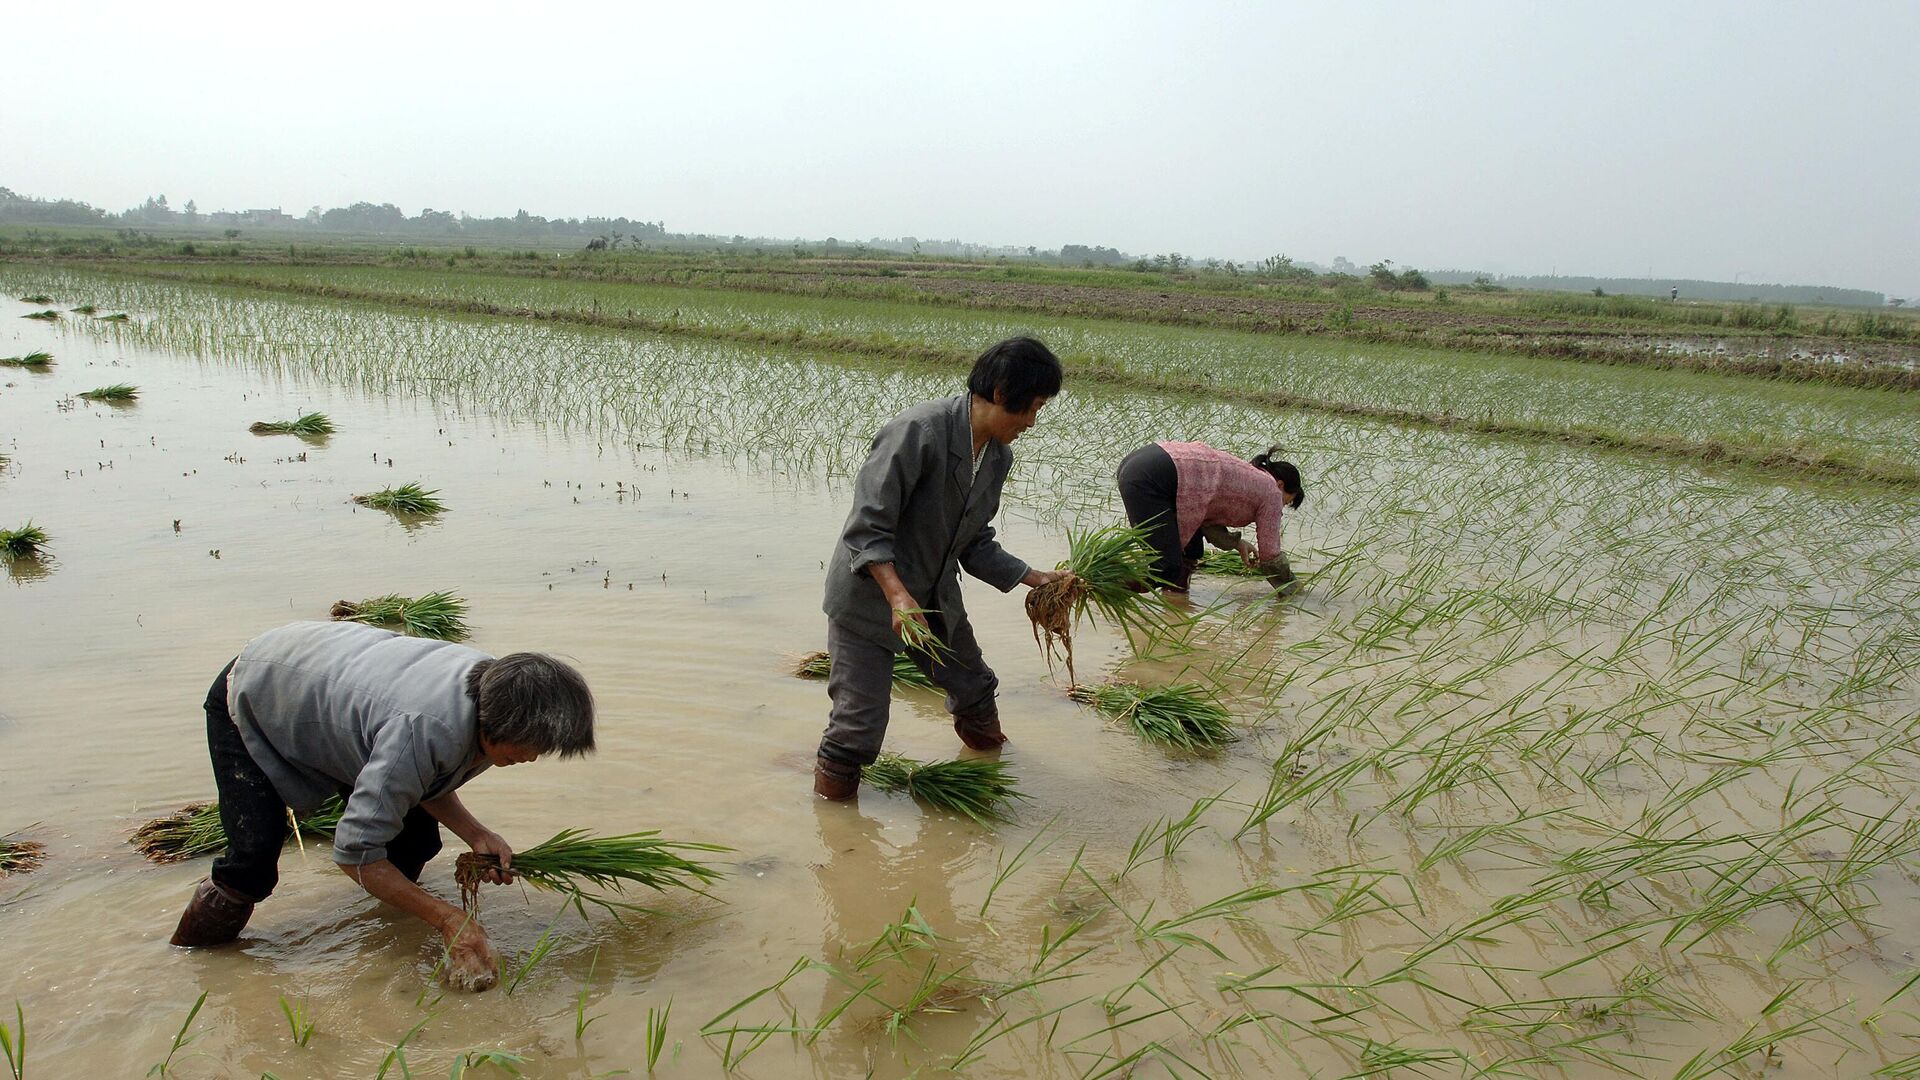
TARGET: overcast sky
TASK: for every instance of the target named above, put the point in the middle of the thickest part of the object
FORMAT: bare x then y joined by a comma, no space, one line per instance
1768,142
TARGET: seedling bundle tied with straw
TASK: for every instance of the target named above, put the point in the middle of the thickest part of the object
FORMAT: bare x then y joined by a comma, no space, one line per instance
574,859
1112,570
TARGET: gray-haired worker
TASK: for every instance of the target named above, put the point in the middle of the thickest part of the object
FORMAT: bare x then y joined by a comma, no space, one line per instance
396,725
923,507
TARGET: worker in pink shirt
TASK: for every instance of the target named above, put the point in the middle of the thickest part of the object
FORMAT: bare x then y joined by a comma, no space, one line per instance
1186,492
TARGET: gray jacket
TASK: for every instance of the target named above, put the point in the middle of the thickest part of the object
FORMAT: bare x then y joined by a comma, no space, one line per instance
329,706
918,505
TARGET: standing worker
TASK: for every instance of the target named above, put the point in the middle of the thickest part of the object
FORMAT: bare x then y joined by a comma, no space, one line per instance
1184,492
923,507
397,725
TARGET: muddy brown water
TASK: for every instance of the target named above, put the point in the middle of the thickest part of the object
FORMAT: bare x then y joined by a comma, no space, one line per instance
683,587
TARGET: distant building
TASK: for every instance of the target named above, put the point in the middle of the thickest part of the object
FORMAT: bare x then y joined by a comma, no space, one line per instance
259,218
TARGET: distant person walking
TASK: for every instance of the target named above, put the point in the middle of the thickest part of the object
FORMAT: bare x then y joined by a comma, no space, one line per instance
1673,293
1187,492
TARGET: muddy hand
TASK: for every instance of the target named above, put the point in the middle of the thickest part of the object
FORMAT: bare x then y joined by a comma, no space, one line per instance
470,962
491,843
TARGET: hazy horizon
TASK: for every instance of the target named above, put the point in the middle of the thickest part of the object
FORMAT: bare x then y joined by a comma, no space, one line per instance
1758,143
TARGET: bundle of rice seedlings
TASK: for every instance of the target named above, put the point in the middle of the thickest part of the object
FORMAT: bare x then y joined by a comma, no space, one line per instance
980,788
24,542
440,615
905,672
194,830
114,392
48,315
405,499
39,358
20,856
1228,564
118,316
1112,575
84,309
312,423
574,858
1185,715
37,298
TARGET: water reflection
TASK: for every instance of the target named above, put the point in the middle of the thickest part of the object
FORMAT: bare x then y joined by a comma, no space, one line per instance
896,941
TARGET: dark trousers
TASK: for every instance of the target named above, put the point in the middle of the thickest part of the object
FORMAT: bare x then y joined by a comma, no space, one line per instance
1150,490
860,686
255,817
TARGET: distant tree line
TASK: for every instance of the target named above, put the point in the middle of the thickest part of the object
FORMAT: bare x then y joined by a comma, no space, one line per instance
382,219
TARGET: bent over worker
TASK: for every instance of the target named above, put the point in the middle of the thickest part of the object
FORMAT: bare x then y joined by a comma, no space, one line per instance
396,725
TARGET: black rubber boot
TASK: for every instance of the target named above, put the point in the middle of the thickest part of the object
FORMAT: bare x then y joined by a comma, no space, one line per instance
215,916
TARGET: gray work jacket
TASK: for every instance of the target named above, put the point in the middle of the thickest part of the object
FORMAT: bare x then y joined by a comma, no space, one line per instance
918,504
330,706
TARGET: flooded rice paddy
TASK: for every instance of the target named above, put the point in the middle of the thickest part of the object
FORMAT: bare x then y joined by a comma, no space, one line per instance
1563,763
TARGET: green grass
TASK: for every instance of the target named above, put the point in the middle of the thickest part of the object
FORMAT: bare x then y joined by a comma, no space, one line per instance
979,788
439,615
39,358
405,499
112,392
24,542
312,423
1186,716
574,859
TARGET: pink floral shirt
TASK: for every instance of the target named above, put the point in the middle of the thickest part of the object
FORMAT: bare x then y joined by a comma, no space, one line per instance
1217,488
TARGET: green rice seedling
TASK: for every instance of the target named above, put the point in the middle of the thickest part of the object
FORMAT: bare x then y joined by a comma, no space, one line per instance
312,423
1111,574
195,830
581,1021
39,360
1227,564
405,499
981,789
438,615
48,315
24,542
499,1059
164,1067
398,1055
917,636
84,309
36,298
657,1033
541,948
13,1043
573,858
906,673
1186,716
112,392
299,1021
118,316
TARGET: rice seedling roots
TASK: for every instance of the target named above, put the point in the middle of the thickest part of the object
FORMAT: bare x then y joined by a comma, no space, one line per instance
1050,607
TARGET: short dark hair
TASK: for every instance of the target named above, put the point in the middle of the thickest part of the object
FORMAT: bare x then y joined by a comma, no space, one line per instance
1285,473
1019,370
533,700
